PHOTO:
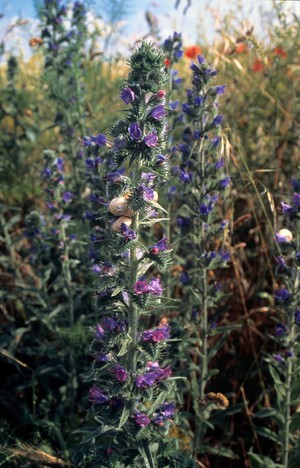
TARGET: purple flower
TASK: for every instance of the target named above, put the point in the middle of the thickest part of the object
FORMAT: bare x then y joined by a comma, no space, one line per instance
120,373
141,419
281,266
185,177
176,81
160,158
155,287
158,112
99,332
46,173
148,176
296,199
215,142
217,120
201,59
151,139
295,184
141,287
186,109
287,209
199,100
280,329
90,163
146,192
96,396
171,192
278,358
220,89
165,411
127,95
281,296
297,317
109,323
59,163
156,335
173,105
184,277
135,131
67,197
183,221
99,140
219,164
156,375
160,246
128,233
205,209
223,183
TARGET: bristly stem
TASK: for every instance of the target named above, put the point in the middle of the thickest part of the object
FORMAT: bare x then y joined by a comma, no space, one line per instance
73,385
290,364
133,266
204,324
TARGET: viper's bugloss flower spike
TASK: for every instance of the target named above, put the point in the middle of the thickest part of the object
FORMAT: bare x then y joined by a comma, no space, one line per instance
122,347
287,307
199,174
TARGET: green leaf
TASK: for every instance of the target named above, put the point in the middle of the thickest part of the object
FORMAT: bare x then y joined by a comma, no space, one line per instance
265,432
117,290
221,451
144,450
157,403
261,461
125,415
157,205
265,413
125,345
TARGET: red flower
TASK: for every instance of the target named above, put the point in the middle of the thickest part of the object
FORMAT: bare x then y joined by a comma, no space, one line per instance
192,52
239,48
280,51
258,65
167,63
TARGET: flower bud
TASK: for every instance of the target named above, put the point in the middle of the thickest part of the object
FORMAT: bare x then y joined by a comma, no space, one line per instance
116,225
119,206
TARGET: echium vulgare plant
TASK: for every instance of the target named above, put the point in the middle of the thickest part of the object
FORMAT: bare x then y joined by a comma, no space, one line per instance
64,36
201,246
284,366
131,393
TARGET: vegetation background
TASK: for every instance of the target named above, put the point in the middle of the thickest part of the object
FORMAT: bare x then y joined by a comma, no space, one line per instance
260,68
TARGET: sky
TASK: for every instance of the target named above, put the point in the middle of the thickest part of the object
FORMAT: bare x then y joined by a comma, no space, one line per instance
198,21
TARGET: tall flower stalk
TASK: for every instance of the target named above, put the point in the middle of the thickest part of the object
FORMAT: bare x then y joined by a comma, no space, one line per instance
201,244
64,36
131,388
284,365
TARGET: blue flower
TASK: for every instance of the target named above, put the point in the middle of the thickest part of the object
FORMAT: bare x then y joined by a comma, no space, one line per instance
135,131
282,296
127,95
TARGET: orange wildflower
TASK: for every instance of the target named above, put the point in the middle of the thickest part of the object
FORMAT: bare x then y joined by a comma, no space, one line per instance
35,41
280,51
241,47
193,51
167,63
258,65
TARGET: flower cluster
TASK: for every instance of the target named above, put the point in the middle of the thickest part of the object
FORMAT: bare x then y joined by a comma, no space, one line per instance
123,378
286,296
173,49
200,176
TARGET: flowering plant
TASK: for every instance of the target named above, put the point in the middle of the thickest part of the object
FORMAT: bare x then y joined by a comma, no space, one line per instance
132,392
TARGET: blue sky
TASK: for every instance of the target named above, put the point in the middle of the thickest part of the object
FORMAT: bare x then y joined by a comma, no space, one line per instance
197,22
